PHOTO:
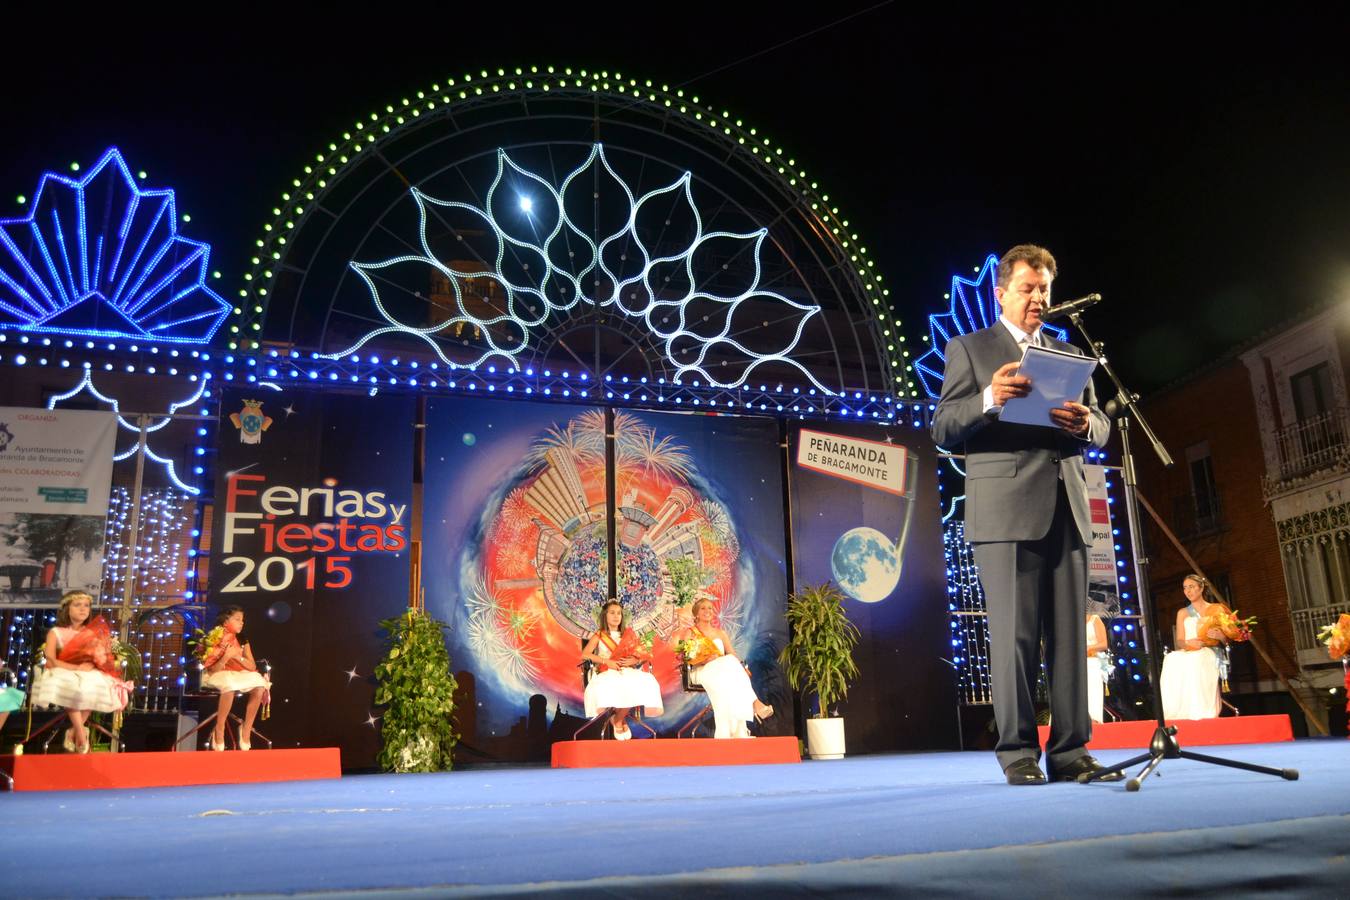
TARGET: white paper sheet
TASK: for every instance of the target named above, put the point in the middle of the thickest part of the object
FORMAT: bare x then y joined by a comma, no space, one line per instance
1055,376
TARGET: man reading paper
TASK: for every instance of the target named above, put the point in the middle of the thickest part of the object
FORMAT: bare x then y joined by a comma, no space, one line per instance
1027,518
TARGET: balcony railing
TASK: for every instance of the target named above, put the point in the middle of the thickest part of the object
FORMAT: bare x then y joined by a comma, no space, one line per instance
1313,444
1307,622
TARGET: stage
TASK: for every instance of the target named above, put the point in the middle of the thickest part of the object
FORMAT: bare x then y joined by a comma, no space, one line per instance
933,823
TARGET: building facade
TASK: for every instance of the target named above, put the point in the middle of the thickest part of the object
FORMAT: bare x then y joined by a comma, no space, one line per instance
1259,498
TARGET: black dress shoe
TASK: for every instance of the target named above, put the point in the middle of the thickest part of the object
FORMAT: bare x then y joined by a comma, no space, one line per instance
1083,765
1024,771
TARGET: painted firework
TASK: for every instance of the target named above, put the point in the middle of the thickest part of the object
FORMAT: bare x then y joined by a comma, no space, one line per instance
517,547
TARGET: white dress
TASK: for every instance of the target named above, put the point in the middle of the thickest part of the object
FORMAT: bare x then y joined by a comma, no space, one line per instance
226,680
72,689
1096,684
622,688
1190,680
729,692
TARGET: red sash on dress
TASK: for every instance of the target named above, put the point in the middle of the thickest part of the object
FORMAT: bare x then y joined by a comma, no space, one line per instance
227,640
705,651
627,645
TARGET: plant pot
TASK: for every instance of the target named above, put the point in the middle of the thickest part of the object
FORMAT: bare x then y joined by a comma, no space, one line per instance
825,738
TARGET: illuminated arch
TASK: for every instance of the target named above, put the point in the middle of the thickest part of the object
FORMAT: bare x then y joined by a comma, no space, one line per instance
360,199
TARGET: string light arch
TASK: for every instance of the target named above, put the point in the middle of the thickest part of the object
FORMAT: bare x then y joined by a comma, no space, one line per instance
354,203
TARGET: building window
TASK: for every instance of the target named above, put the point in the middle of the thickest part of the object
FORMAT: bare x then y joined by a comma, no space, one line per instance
1199,513
1312,392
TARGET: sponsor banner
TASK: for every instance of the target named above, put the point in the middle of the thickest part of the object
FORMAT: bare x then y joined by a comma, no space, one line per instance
56,461
55,476
1103,589
873,463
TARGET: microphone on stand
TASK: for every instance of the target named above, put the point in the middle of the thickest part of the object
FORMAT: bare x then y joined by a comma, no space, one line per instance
1060,310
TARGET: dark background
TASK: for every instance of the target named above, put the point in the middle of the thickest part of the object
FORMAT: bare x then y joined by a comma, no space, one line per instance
1190,166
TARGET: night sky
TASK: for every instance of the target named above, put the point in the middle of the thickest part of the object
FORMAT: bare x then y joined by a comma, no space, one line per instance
1192,168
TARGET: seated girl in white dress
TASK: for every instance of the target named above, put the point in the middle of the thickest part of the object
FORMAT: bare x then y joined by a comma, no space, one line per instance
228,667
1190,673
715,668
619,685
81,674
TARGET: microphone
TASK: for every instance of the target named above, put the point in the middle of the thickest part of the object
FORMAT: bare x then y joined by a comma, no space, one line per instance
1060,310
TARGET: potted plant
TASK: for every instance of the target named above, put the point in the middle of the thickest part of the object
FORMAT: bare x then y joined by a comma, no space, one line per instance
818,659
418,693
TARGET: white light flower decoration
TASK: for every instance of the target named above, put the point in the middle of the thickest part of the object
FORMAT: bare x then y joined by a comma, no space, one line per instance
545,276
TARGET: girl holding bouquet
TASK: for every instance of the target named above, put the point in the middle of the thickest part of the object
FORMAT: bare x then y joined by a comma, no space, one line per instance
714,667
1190,673
620,684
81,673
228,666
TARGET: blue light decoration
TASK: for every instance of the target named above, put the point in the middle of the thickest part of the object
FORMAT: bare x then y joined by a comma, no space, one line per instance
972,306
86,383
99,257
558,289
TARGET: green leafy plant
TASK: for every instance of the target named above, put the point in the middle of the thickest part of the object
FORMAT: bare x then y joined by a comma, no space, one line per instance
686,577
418,692
129,660
818,656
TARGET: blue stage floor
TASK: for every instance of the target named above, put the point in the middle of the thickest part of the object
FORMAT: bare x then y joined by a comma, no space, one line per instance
937,824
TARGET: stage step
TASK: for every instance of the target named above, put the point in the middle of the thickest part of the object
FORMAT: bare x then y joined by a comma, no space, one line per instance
75,772
1190,732
675,752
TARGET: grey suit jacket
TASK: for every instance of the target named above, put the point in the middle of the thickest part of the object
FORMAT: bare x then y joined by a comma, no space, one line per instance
1011,470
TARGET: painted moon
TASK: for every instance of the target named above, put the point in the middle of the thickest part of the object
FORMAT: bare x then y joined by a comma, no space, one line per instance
865,565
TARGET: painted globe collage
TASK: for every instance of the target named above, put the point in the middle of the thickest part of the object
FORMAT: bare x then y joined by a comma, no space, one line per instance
543,557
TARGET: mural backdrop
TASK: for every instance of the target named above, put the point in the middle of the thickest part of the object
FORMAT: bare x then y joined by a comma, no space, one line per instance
517,548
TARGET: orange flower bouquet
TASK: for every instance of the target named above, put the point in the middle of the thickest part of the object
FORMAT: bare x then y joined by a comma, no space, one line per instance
1223,624
1337,637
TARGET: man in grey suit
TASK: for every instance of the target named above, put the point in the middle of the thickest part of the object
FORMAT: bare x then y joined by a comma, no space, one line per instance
1027,518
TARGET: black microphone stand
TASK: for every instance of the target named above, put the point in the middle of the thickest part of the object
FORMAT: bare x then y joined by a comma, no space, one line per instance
1164,744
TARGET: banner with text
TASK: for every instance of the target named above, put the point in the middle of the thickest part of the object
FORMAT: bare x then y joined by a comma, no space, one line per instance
310,537
55,475
1103,586
866,518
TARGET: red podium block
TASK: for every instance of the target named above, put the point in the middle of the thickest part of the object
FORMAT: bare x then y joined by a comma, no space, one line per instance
676,752
83,772
1190,732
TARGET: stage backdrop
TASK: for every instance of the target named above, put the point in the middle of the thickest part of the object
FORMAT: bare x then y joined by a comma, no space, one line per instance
866,516
515,530
310,536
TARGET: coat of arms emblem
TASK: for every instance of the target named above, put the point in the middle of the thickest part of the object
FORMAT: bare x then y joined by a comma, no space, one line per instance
251,422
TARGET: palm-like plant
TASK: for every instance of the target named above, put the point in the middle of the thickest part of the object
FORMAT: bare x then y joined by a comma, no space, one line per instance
818,656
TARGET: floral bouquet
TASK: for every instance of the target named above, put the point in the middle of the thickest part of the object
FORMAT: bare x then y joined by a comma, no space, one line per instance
696,651
1223,623
206,644
1337,637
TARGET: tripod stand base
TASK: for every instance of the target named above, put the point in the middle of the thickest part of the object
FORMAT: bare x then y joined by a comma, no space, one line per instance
1164,745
